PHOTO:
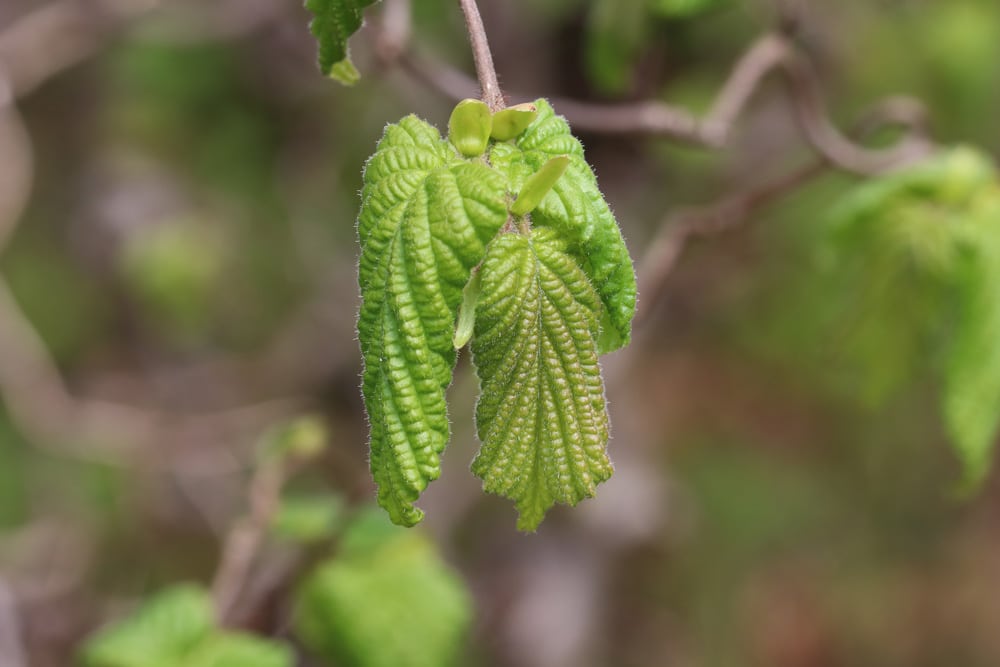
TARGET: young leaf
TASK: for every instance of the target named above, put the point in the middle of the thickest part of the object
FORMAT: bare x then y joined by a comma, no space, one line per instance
334,21
425,220
538,185
387,600
512,121
972,375
161,633
576,208
541,416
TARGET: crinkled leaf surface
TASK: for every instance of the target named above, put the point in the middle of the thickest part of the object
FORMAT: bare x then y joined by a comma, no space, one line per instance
386,600
425,220
334,21
541,416
159,634
576,209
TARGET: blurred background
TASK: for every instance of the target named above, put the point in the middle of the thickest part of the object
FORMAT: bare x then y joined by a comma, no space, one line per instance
178,190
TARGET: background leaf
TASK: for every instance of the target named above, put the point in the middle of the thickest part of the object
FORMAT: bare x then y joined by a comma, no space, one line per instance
386,600
334,23
239,650
160,634
972,376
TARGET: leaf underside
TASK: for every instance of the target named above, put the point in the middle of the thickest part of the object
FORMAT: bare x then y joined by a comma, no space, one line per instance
426,218
334,21
541,416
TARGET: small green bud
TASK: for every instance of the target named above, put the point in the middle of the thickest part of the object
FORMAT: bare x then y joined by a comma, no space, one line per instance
538,185
514,120
302,438
469,127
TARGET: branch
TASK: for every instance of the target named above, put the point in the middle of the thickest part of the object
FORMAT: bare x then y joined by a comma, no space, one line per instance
487,74
656,265
246,538
771,52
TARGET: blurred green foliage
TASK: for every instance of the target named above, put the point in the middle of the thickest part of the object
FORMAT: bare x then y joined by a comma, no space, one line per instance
175,628
385,600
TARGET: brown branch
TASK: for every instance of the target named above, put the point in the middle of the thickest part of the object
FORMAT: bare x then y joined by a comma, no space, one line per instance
769,53
12,649
487,74
246,538
682,226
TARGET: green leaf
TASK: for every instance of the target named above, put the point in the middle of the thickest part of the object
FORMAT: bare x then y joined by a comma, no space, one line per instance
334,21
510,122
425,220
972,374
541,416
576,209
538,185
159,634
916,254
239,650
387,601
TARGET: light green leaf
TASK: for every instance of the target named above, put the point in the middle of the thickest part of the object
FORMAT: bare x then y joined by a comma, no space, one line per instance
972,375
425,220
538,185
387,600
576,209
541,416
239,650
510,122
159,634
334,21
916,254
469,127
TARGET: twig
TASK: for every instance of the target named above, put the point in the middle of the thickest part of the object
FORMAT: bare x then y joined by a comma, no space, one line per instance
771,52
680,227
487,74
246,537
12,651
